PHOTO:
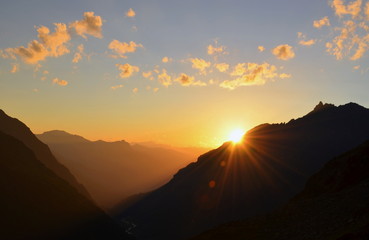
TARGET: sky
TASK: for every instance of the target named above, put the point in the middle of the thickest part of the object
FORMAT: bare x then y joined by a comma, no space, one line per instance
184,73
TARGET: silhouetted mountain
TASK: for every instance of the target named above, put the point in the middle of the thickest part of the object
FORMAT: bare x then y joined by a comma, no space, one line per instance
238,181
37,204
20,131
113,171
333,205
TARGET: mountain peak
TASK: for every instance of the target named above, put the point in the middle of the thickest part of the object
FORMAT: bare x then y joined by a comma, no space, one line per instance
322,106
60,136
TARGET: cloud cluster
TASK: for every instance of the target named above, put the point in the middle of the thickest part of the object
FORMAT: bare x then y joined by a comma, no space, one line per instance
251,74
127,70
121,48
54,44
283,52
60,82
352,8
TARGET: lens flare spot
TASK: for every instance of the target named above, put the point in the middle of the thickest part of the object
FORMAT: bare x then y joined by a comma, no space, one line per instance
212,184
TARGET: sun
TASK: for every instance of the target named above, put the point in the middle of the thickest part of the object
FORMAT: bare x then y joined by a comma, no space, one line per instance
236,135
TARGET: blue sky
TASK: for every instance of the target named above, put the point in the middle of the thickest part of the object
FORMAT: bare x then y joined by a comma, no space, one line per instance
187,100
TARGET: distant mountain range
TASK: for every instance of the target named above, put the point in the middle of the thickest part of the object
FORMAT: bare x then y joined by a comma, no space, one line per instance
39,197
239,181
113,171
333,205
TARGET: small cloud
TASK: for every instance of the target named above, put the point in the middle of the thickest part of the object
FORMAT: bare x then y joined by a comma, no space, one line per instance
147,74
283,52
166,59
185,80
303,40
200,64
43,78
35,90
214,50
8,53
164,78
130,13
116,87
261,48
284,75
307,42
357,67
78,55
60,82
45,72
352,8
121,48
155,89
135,90
134,29
15,68
321,22
222,67
126,70
90,24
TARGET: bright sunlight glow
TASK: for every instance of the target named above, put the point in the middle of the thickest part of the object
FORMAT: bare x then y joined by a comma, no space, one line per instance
236,135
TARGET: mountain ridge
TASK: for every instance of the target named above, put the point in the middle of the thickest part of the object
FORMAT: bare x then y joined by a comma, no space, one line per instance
270,166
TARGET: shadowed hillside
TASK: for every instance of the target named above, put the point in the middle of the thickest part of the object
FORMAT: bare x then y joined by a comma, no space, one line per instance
333,205
239,181
112,171
19,130
37,204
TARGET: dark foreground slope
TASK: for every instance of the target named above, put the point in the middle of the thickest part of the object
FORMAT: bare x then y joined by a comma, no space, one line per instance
112,171
37,204
333,205
19,130
238,181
